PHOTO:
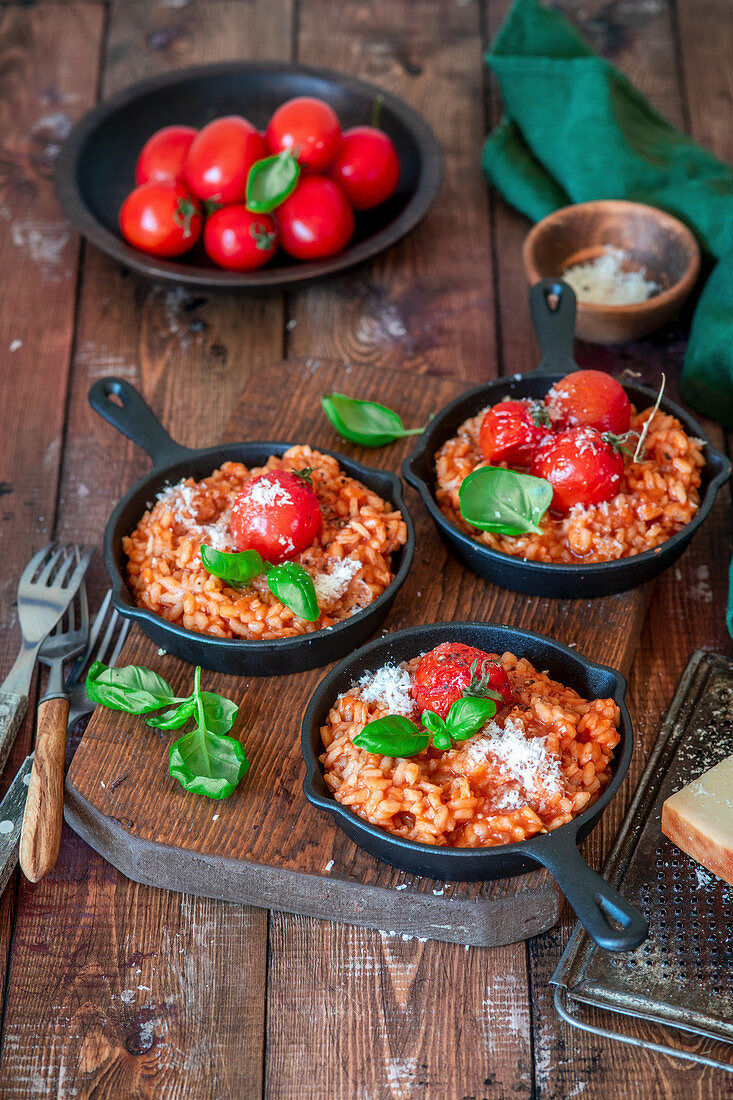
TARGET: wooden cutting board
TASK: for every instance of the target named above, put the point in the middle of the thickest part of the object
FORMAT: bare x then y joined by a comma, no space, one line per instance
266,845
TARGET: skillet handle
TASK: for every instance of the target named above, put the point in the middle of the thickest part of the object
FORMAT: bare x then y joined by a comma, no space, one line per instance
555,326
606,916
135,419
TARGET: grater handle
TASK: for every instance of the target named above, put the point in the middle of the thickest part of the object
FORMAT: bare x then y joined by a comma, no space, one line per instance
606,916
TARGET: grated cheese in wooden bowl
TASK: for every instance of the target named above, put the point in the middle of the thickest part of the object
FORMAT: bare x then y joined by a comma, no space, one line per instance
603,281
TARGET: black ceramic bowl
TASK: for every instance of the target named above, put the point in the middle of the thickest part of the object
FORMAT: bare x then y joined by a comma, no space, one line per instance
171,462
609,919
96,167
555,328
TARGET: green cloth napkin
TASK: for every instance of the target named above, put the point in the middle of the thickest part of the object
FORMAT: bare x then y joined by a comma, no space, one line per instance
577,129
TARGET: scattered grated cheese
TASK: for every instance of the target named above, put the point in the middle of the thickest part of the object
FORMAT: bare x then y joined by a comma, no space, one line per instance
182,499
603,281
389,685
525,758
264,491
330,587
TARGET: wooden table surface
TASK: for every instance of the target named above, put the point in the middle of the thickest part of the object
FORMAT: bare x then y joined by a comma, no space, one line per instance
112,989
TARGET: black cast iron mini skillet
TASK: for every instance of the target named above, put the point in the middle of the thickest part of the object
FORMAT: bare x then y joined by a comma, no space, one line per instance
171,462
608,918
555,328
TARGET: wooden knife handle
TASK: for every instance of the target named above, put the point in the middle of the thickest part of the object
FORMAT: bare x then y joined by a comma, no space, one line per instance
41,833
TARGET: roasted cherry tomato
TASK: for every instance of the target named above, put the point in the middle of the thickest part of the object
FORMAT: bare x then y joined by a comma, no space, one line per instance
238,240
277,514
444,674
220,158
581,468
161,218
316,220
592,399
366,166
163,156
309,128
509,434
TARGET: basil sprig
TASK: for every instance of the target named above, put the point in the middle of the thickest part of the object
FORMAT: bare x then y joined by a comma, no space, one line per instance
289,582
270,181
238,568
505,502
204,761
395,735
364,422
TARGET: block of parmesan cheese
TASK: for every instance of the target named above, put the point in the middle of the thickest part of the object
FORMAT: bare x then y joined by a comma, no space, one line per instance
699,819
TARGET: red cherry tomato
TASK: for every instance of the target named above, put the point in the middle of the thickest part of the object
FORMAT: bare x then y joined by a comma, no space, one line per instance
309,128
163,156
220,158
238,240
589,398
509,434
162,219
366,166
277,514
581,468
316,220
444,674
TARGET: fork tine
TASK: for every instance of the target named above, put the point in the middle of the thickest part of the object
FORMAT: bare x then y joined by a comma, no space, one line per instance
82,561
83,608
34,563
121,637
44,575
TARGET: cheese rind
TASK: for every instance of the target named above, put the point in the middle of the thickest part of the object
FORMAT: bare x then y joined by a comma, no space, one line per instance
699,819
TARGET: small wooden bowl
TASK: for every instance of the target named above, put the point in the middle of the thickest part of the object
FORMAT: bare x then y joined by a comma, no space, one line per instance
654,240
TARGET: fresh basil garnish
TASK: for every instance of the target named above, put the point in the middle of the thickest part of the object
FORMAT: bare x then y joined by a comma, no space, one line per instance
392,735
505,502
270,181
204,761
467,715
238,568
133,689
364,422
294,587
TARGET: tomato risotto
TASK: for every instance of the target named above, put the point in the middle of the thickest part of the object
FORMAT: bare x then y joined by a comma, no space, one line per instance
541,761
349,560
657,497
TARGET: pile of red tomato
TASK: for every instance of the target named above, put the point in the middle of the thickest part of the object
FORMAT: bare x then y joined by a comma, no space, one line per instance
199,183
572,439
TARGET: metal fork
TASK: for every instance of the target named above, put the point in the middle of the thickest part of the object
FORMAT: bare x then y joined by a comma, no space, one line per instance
100,647
46,587
41,833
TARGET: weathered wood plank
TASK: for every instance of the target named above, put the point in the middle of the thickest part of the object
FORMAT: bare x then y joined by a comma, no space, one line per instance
191,1031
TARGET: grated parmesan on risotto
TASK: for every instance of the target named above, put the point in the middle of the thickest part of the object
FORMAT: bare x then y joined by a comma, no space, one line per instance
349,561
534,766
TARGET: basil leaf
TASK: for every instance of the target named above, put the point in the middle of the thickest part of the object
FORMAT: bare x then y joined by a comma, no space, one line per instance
204,763
364,422
432,721
220,713
392,735
508,503
174,718
294,587
133,688
468,715
441,741
236,568
270,181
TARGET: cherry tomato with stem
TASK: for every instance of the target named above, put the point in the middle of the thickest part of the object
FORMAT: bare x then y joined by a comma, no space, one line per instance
592,399
453,670
220,158
316,220
581,466
366,167
509,433
238,240
163,156
277,514
162,219
307,127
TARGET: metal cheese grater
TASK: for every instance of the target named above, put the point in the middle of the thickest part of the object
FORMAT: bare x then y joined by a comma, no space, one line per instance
682,976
